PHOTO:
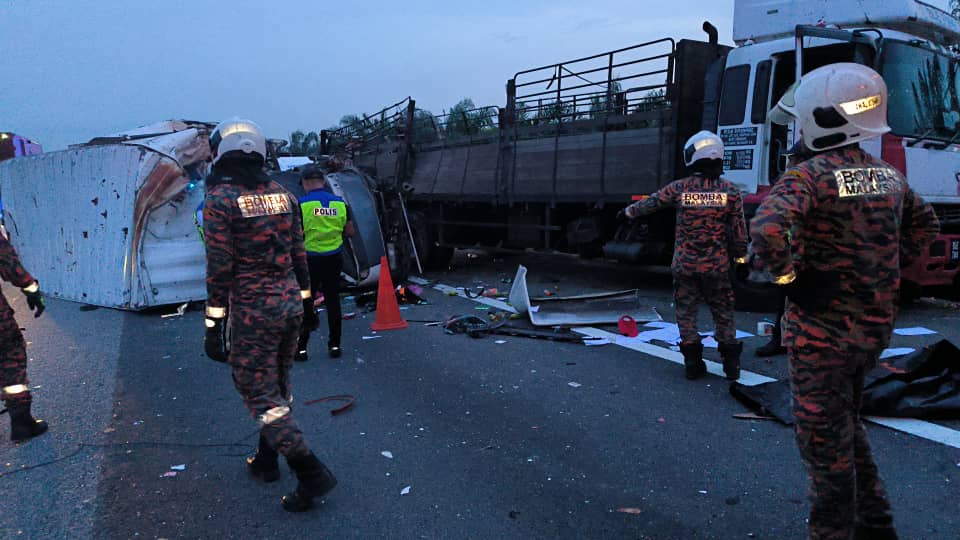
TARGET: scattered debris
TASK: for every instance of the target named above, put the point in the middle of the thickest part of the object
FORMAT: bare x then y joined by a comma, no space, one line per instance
702,492
574,384
603,308
347,399
181,467
168,474
628,326
753,416
371,337
513,514
180,311
629,510
662,420
500,341
387,454
914,331
405,490
349,315
899,351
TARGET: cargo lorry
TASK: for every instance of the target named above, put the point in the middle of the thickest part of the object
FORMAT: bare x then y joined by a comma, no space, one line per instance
577,140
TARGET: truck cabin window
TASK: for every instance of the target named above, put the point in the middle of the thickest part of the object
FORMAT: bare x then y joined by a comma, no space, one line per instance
733,97
923,86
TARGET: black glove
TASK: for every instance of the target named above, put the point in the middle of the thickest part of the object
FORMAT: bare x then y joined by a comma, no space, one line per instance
814,290
34,299
311,321
215,341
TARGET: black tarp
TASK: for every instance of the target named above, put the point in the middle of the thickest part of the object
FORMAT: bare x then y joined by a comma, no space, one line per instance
922,384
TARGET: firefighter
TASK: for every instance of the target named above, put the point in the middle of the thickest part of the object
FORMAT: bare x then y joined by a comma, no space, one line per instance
326,222
795,155
14,387
710,225
257,272
857,221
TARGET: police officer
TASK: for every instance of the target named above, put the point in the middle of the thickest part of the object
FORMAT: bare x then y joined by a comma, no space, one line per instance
326,221
257,272
857,220
14,387
710,224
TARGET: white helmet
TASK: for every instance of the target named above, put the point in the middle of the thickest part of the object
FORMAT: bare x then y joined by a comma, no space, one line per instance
703,145
835,105
237,134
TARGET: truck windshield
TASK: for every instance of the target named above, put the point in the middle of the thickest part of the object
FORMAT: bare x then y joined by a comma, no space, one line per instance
923,86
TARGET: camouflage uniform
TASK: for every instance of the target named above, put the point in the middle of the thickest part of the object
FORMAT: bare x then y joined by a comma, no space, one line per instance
711,233
856,218
257,268
14,385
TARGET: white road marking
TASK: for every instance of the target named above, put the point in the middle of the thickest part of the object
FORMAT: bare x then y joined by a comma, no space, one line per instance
918,428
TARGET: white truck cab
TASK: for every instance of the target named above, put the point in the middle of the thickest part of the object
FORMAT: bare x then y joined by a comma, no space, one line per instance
912,44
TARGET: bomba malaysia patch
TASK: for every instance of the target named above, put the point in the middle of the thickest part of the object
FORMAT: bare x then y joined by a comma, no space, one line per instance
697,199
867,181
268,204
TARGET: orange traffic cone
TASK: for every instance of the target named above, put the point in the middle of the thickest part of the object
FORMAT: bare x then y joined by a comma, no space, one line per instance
388,312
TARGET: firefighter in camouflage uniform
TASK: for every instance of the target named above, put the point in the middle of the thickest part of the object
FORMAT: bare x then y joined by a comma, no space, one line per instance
858,222
14,387
711,235
257,272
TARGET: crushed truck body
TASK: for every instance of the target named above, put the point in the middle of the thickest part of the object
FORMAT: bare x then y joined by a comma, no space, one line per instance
111,222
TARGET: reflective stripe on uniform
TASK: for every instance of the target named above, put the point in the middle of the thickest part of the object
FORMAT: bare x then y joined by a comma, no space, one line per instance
304,294
274,414
216,312
786,279
15,389
32,288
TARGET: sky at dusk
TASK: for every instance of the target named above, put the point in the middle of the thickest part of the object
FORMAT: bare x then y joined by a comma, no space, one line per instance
73,70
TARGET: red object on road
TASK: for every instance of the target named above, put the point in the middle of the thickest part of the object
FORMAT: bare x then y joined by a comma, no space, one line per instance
628,326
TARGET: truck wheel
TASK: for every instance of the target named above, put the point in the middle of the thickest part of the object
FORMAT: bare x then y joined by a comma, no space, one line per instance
440,257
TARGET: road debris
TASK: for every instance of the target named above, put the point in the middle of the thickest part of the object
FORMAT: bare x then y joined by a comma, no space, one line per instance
181,467
914,331
405,491
629,510
168,474
574,384
387,454
180,311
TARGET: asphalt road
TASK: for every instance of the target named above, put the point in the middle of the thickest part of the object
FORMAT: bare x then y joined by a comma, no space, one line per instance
491,438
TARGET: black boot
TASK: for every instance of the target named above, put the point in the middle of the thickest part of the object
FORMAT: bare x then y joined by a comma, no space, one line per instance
23,425
335,351
773,347
313,480
302,356
264,465
693,360
730,352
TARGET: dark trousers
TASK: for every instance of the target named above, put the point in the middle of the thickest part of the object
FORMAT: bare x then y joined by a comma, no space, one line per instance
14,386
845,486
325,279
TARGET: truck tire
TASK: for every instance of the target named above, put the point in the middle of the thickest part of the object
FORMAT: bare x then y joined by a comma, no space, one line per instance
439,257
